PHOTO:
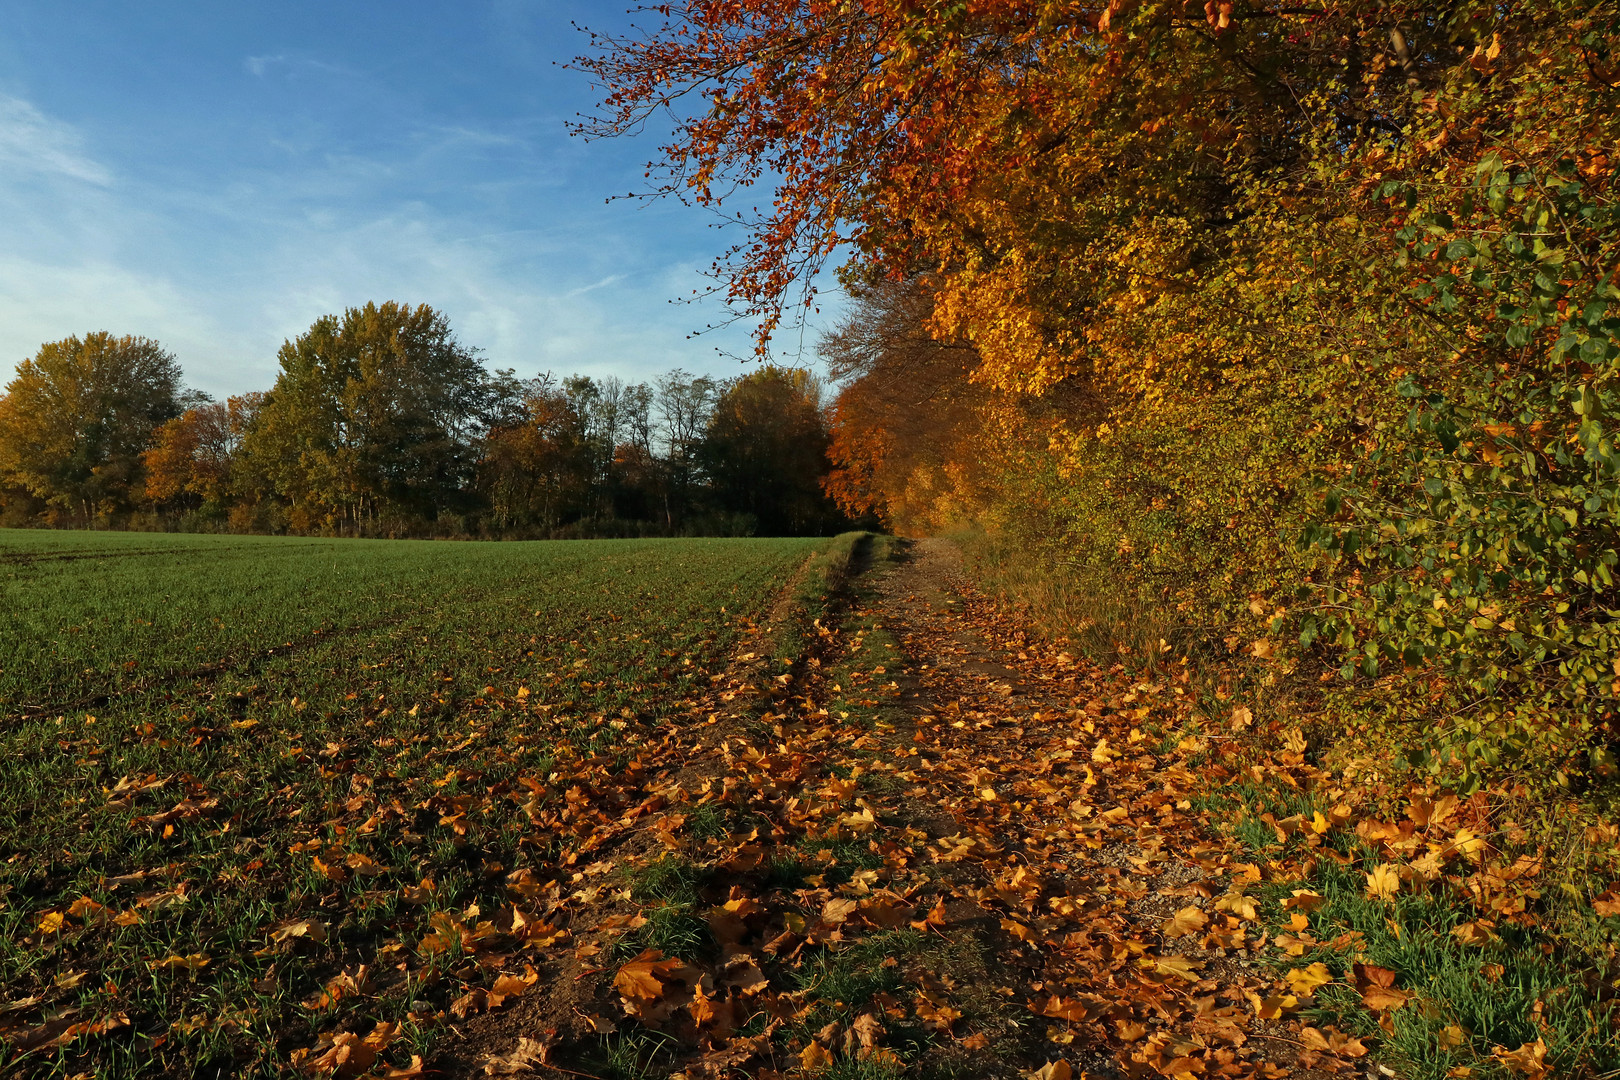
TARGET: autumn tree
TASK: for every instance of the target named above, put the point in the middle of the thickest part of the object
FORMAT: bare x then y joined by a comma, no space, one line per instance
1232,274
191,459
907,424
536,470
377,414
76,418
765,452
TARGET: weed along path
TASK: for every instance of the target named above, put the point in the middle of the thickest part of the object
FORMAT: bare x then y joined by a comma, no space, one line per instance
917,843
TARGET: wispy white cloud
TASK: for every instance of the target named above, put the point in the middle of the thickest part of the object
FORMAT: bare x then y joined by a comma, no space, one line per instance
261,66
611,279
32,142
258,65
223,265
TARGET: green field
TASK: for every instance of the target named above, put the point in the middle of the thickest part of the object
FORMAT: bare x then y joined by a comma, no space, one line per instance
187,720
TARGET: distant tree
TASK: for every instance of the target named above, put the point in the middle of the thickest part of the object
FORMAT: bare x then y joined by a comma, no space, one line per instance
379,413
765,452
536,470
595,405
77,417
190,462
684,403
907,412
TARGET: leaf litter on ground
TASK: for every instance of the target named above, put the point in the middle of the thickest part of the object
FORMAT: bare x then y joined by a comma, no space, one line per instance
897,834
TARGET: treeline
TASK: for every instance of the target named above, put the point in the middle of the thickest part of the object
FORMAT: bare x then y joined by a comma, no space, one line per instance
1284,331
381,423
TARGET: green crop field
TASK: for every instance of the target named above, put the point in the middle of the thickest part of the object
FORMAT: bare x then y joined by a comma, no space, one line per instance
190,723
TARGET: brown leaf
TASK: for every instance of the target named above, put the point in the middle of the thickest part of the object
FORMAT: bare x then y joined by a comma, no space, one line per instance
313,929
364,866
194,962
515,985
1528,1060
838,910
1383,998
346,1055
934,920
1189,920
473,1001
57,1033
528,1056
643,980
743,973
1173,967
1272,1007
336,872
815,1058
1304,900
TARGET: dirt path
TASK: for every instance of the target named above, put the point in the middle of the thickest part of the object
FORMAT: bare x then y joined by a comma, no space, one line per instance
1091,844
940,849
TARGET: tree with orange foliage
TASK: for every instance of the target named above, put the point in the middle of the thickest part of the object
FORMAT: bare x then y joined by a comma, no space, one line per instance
189,462
77,417
907,416
1233,274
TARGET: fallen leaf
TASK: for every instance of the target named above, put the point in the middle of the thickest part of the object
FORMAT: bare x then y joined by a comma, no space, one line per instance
364,866
1177,966
1189,920
641,979
1305,981
1304,900
514,985
313,929
1272,1007
1383,883
1530,1059
528,1056
1052,1070
815,1058
475,1000
194,962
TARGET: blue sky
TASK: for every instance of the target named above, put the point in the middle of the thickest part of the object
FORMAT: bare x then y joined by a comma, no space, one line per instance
217,175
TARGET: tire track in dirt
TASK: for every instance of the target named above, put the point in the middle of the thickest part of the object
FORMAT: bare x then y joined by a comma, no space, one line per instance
943,847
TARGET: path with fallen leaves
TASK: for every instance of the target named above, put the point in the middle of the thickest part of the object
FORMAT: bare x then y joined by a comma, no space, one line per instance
936,847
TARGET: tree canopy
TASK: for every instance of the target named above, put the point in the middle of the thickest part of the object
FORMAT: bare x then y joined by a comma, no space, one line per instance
77,416
382,423
1298,321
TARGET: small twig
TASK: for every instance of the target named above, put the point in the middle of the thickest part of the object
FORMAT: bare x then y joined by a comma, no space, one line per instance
1278,1038
571,1072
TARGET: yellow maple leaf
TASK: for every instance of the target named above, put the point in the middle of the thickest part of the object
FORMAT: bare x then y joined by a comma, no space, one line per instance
1467,843
1304,900
1304,981
1178,966
1383,883
194,962
815,1058
1528,1060
1273,1006
1189,920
